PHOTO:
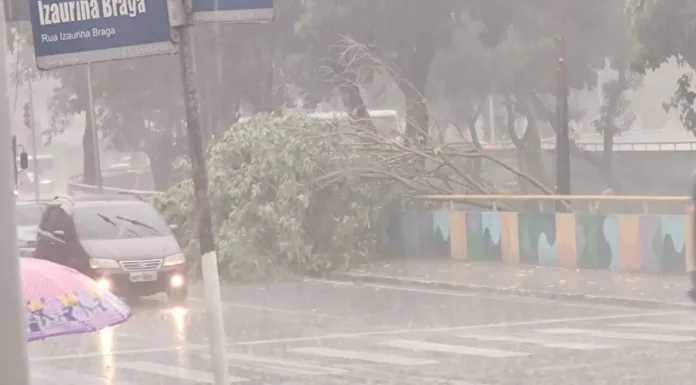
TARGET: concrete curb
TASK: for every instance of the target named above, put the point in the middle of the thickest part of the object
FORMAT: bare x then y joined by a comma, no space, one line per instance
517,291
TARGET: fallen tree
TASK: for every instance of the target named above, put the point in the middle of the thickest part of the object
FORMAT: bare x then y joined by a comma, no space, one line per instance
298,194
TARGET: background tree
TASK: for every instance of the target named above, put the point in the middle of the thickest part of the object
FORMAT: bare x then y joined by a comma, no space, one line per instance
436,63
662,30
403,36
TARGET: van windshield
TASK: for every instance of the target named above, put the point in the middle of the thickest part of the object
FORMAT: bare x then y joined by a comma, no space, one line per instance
119,221
28,215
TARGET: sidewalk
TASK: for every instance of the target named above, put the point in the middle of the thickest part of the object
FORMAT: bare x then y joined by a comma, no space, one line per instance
600,286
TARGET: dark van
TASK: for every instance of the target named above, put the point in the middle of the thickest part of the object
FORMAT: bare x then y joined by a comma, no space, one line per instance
122,242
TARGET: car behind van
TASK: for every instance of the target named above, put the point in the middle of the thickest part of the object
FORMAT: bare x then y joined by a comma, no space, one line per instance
122,242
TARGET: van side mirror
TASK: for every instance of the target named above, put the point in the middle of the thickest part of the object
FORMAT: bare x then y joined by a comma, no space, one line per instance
23,160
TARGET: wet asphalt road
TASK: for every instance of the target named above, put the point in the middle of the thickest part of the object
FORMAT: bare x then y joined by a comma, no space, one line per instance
320,332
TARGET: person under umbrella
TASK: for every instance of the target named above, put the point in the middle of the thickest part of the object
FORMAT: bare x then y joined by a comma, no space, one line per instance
61,301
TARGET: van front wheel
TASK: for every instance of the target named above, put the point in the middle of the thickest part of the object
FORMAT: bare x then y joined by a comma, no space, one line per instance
177,296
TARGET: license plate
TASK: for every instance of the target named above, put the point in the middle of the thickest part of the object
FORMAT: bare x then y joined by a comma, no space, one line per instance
144,276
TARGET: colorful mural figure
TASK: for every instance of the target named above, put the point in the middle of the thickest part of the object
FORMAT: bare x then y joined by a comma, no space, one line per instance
68,307
38,320
651,243
69,301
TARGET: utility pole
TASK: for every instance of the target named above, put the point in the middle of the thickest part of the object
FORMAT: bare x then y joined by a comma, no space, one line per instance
218,338
563,177
31,119
95,134
14,361
184,15
199,172
14,161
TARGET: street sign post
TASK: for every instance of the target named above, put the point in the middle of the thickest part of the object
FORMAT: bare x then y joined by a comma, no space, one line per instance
236,11
202,11
71,32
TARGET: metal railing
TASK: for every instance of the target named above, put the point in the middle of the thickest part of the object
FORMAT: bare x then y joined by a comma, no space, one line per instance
112,172
630,146
599,146
86,189
76,187
590,202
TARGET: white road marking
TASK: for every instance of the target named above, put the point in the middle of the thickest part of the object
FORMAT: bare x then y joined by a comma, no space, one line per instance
606,364
361,372
276,310
363,356
625,336
279,365
540,342
195,376
73,377
670,327
565,368
455,349
455,293
339,336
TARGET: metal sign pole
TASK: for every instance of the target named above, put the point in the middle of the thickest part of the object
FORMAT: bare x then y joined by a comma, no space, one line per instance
37,172
95,135
211,279
210,11
15,170
14,362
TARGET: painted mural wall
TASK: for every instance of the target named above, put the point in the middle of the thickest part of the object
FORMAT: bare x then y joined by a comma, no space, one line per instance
651,243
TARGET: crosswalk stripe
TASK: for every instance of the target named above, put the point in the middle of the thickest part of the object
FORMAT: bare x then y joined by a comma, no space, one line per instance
540,342
59,376
363,356
670,327
279,365
195,376
456,349
363,372
625,336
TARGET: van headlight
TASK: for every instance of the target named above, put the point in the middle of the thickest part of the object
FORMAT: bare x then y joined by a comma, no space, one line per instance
176,259
101,263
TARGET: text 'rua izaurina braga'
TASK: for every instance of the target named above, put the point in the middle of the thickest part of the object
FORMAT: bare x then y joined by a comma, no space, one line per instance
82,10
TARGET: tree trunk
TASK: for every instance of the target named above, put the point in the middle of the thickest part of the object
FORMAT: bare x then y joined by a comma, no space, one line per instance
471,123
346,81
355,103
415,70
610,178
89,164
531,157
260,90
417,117
318,222
161,150
161,169
610,129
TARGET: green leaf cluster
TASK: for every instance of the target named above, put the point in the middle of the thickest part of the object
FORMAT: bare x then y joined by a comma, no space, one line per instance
277,206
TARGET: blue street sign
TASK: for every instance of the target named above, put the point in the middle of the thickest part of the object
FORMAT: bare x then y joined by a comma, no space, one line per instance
236,11
70,32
